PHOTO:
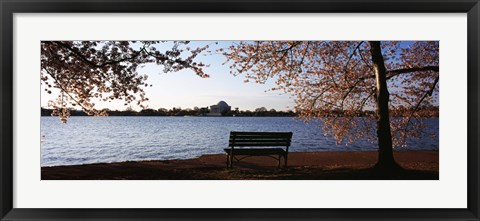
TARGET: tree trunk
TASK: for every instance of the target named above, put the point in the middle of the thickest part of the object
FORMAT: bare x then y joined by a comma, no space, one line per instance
386,160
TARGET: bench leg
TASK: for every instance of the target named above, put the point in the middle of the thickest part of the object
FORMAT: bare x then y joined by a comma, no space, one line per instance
231,161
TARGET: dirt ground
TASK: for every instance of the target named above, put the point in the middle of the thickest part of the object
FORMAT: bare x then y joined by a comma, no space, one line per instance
340,165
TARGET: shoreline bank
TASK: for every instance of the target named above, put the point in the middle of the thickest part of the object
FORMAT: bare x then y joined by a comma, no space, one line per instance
341,165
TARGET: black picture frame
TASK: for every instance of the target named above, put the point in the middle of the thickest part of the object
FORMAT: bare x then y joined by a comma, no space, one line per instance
9,7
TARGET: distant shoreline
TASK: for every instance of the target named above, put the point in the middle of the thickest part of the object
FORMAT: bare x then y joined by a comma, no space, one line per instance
203,112
343,165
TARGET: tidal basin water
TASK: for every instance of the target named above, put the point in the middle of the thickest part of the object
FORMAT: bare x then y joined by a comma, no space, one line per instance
85,140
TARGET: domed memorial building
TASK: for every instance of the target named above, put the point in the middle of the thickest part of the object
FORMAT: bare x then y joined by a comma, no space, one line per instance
219,108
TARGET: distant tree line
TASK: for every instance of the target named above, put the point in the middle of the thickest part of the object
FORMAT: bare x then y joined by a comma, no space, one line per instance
177,111
424,111
260,112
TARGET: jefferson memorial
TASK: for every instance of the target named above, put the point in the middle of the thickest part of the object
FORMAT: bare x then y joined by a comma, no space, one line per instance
217,109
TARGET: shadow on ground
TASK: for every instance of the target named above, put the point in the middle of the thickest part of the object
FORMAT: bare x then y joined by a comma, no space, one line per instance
418,165
131,171
332,174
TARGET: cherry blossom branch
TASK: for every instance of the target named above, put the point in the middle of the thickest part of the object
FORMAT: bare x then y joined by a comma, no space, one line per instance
79,55
353,53
64,90
427,93
289,48
393,73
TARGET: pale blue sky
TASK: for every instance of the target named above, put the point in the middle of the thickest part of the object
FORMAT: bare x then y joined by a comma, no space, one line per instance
187,90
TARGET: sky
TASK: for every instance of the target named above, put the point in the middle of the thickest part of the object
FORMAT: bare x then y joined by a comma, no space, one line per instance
185,89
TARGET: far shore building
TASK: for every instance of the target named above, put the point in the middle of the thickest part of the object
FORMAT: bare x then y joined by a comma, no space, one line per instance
219,108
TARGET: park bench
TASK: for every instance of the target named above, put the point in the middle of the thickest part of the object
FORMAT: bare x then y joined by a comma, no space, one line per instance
269,141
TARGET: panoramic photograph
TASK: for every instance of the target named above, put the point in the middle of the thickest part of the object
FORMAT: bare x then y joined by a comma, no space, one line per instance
239,110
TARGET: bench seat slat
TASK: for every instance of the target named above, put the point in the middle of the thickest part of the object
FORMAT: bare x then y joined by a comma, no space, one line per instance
259,144
260,139
256,151
286,136
260,134
235,143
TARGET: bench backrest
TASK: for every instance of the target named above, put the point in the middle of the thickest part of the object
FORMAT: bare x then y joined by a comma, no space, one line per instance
266,139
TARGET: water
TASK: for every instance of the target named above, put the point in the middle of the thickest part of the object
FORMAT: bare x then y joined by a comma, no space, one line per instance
86,140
